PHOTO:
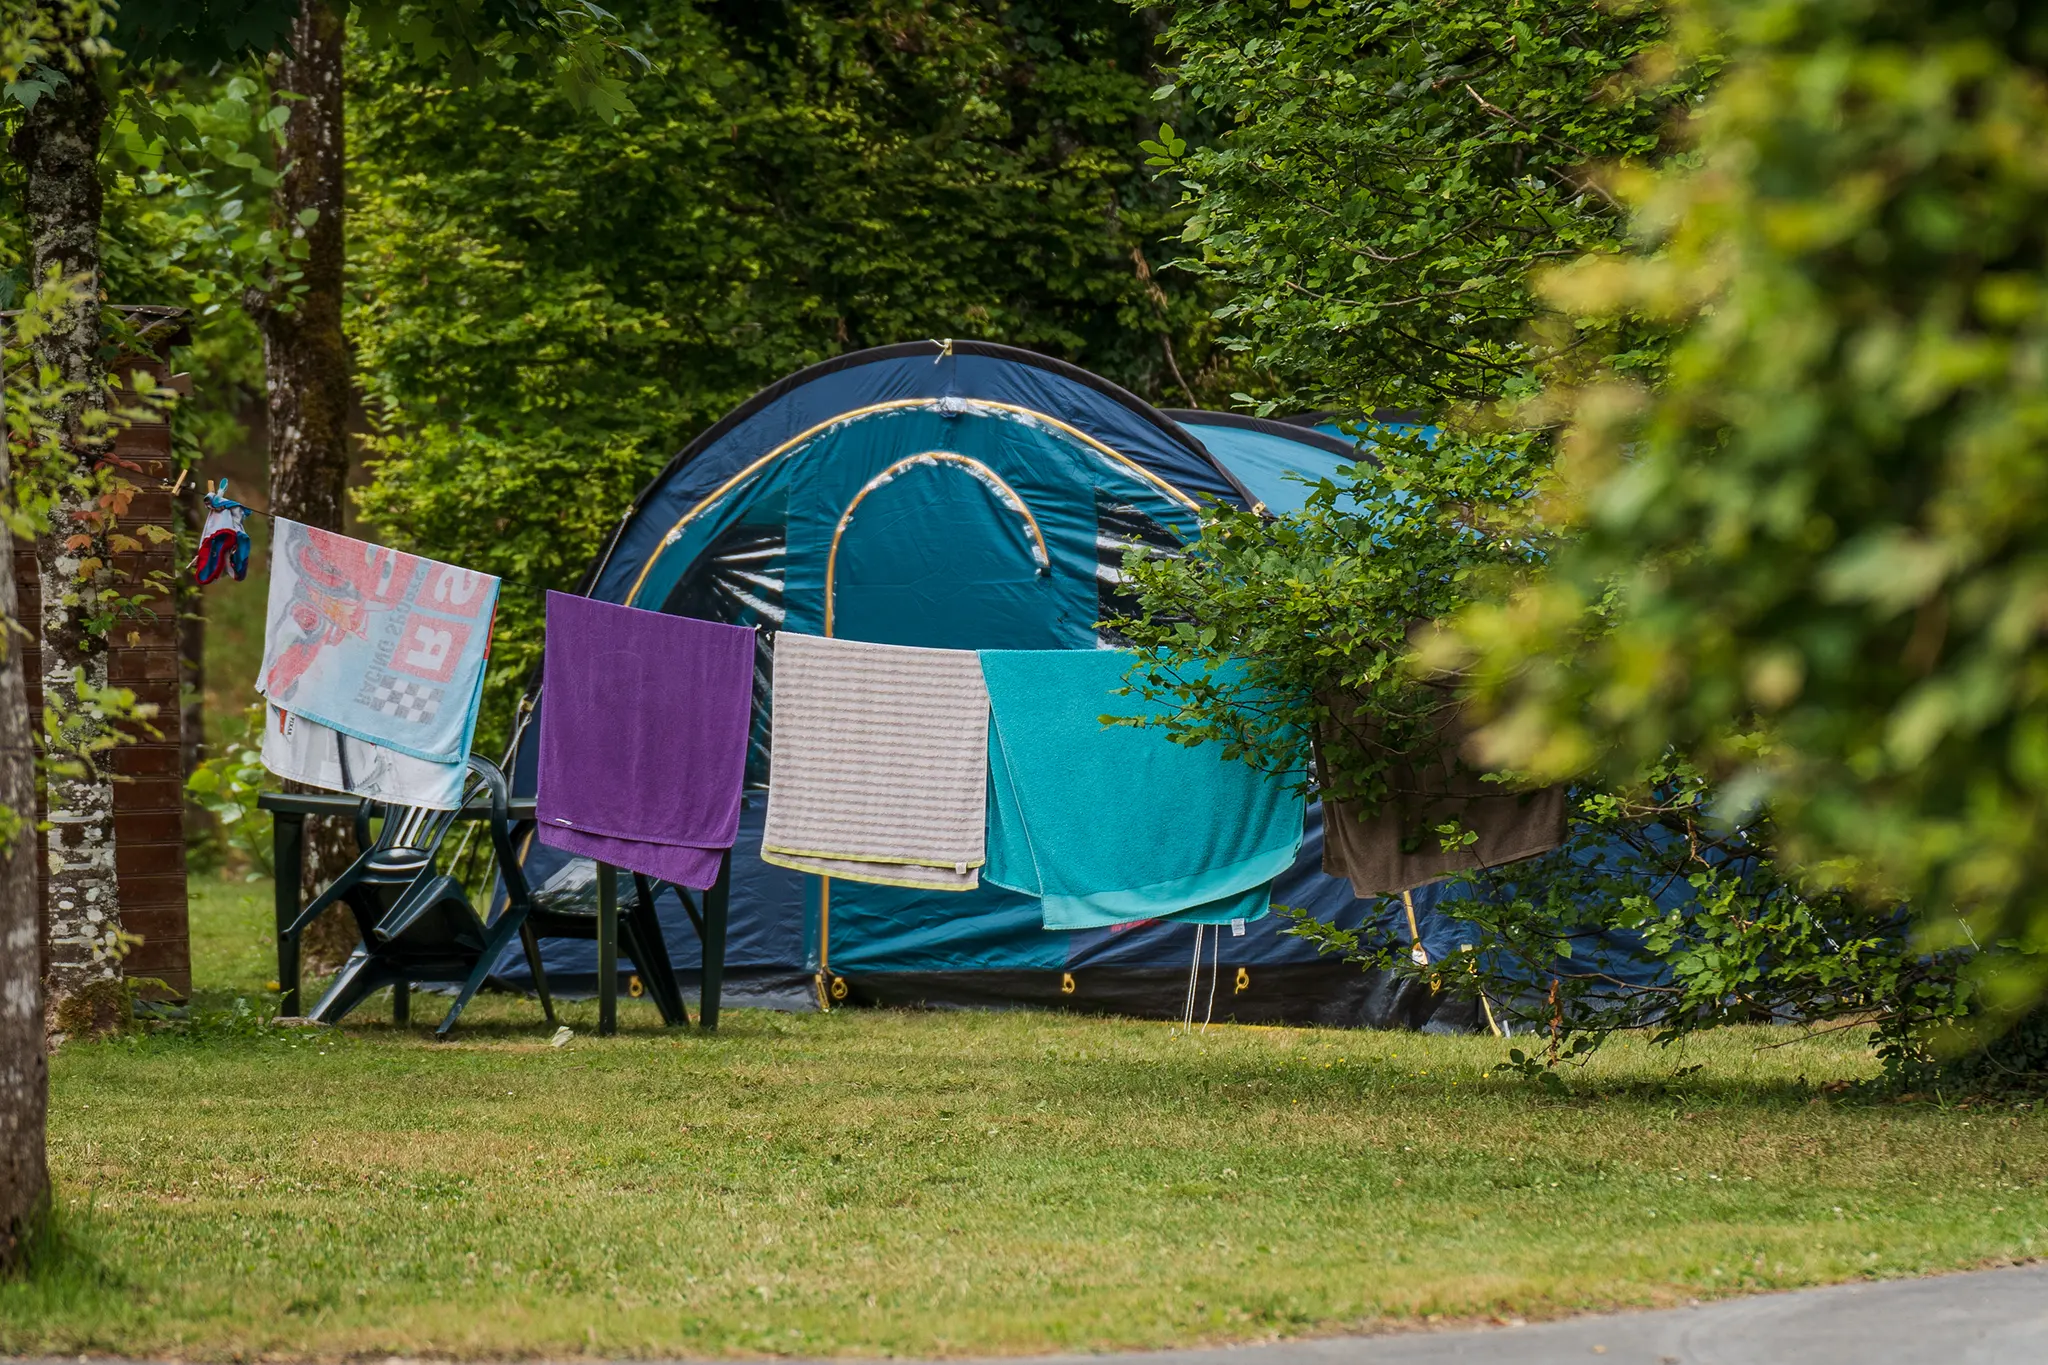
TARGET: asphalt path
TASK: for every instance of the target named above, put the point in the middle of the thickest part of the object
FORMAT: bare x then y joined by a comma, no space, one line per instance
1988,1317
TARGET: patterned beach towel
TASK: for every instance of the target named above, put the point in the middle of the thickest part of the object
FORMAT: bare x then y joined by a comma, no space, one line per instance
880,764
309,752
385,646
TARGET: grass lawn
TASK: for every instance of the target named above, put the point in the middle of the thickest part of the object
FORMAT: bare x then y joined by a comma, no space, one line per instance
871,1182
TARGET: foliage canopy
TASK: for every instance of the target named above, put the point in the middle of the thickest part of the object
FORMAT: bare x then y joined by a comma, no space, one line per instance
1816,557
544,313
1387,173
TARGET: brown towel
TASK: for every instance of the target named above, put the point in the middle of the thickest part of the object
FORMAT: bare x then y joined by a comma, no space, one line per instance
1398,847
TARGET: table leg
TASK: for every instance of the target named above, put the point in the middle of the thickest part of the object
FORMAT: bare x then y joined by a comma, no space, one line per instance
287,859
717,904
607,949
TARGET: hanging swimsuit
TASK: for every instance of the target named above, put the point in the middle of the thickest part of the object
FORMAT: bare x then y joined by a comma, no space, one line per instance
223,543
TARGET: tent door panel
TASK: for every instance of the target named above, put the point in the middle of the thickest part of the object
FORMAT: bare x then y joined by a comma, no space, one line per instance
938,550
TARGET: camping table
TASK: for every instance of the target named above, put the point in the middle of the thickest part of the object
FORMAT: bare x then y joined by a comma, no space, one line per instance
289,810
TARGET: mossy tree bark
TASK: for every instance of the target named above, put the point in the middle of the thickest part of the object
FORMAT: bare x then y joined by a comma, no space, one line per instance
24,1071
58,145
305,355
306,360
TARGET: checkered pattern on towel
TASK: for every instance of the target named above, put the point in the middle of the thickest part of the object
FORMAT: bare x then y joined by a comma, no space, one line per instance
411,702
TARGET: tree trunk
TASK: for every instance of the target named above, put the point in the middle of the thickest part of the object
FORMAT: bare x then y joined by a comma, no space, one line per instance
24,1071
306,364
59,147
305,356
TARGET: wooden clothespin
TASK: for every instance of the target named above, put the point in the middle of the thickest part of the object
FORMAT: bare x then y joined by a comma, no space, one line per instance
179,486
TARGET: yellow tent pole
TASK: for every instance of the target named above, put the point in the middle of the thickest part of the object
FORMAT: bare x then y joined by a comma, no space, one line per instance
1416,950
824,943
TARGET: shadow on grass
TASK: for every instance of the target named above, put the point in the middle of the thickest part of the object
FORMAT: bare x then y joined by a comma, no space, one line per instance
64,1272
492,1017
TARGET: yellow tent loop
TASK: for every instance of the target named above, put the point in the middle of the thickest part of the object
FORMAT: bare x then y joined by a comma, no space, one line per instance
1066,983
1244,981
947,405
981,472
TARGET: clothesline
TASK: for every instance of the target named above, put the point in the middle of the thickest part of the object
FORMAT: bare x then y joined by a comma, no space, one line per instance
935,770
259,512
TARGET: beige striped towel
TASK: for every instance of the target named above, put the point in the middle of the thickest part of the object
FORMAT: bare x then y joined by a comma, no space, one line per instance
880,765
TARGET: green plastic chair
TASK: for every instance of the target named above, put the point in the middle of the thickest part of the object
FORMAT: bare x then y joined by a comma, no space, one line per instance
416,922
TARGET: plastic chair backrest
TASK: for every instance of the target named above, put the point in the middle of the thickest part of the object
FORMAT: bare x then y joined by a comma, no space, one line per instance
412,835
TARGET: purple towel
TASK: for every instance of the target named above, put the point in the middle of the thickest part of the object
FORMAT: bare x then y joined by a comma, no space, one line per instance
643,737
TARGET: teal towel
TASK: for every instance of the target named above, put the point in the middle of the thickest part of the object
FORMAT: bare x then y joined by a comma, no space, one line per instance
1109,824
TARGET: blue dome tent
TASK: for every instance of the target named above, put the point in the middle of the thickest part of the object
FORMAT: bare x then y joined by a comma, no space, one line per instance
962,495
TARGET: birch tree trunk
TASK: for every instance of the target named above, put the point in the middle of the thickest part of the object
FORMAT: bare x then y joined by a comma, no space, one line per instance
306,366
59,146
24,1071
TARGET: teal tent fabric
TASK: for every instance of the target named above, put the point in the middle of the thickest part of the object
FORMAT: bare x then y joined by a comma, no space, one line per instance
1113,824
1268,464
962,526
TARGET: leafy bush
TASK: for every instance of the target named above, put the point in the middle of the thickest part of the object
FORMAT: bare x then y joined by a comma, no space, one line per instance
1814,552
227,784
1655,915
1324,602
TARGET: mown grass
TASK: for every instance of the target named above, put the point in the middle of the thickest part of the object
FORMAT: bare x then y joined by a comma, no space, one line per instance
874,1182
